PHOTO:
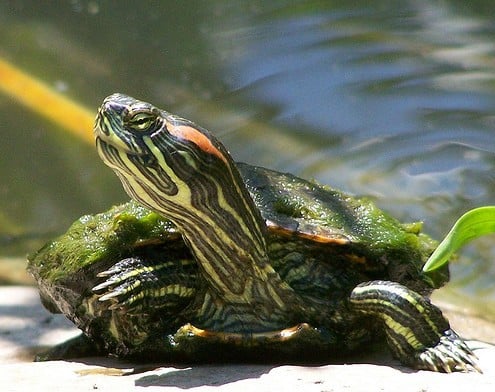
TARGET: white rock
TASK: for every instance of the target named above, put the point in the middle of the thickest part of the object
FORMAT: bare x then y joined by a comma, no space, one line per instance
25,325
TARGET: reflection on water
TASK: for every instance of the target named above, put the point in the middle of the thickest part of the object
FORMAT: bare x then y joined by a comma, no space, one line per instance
395,101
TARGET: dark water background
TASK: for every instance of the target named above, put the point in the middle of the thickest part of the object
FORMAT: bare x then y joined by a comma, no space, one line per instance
393,100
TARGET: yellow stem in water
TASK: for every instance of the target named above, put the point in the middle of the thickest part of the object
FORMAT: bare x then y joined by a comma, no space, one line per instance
40,98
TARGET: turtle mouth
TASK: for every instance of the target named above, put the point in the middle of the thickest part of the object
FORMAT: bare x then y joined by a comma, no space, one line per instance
121,160
109,131
109,135
105,143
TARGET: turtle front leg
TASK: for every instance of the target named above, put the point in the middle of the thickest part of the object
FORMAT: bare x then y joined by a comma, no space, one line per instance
417,332
139,284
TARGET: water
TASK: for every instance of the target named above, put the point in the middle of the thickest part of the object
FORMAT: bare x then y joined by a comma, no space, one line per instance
394,101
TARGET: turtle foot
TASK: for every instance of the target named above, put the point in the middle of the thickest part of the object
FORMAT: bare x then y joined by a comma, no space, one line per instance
121,280
136,284
450,354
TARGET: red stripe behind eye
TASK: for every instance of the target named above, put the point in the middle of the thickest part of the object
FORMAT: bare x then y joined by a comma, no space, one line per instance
193,135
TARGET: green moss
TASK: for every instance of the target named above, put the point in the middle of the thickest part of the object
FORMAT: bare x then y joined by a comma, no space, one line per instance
93,238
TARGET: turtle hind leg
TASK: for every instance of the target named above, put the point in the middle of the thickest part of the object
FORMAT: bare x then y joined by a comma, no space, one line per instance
417,332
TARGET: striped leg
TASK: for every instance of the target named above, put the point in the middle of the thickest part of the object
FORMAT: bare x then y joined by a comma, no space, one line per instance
138,283
417,332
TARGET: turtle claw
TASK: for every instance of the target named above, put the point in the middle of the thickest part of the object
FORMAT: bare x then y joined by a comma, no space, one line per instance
120,285
135,284
106,284
450,354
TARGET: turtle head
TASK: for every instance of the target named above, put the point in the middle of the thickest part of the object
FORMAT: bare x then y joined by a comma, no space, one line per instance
174,167
181,171
161,159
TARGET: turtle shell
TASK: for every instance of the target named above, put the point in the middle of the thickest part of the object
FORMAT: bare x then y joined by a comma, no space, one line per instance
351,228
321,241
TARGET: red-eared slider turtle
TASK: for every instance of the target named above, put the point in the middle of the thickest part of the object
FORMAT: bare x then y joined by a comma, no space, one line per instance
220,260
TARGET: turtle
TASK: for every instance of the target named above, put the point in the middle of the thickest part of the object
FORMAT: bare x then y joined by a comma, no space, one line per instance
216,260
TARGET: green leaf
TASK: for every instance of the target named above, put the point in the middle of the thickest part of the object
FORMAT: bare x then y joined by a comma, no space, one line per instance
471,225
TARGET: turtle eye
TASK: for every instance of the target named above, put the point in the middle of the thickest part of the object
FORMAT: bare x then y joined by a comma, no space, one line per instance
141,121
